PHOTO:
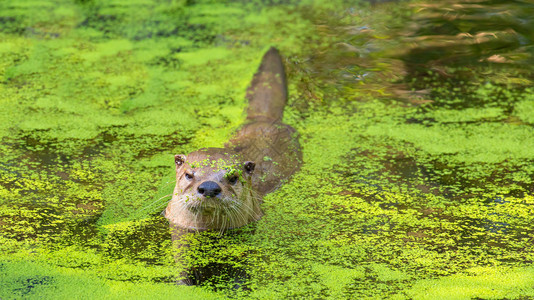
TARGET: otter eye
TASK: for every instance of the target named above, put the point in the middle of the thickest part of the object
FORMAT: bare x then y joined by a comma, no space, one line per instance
188,176
232,179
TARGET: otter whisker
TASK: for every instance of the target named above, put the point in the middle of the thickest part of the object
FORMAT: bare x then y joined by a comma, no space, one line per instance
239,215
155,203
242,212
230,217
221,229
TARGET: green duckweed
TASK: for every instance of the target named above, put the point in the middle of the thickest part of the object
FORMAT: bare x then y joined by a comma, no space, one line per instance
416,180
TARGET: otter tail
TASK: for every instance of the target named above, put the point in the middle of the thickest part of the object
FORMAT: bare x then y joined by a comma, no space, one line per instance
267,93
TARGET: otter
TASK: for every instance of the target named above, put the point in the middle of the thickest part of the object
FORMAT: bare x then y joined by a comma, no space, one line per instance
223,188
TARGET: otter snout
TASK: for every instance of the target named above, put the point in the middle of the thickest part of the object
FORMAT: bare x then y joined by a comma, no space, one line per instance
209,189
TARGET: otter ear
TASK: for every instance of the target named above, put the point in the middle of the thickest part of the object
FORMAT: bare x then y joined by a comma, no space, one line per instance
179,159
249,167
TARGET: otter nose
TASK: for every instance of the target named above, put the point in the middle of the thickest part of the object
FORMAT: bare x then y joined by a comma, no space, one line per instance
209,189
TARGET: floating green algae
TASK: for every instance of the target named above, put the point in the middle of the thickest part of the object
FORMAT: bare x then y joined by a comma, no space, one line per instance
31,279
415,184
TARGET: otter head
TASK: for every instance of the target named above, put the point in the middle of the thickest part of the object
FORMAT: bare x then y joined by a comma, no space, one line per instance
213,191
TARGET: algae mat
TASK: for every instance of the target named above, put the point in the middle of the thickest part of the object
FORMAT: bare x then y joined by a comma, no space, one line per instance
416,129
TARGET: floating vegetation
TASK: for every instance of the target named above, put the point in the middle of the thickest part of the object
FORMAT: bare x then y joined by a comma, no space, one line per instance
415,120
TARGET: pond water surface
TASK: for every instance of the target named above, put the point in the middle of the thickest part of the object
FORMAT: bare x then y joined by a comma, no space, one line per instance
415,119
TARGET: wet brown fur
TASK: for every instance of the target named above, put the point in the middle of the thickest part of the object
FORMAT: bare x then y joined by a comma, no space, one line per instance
267,144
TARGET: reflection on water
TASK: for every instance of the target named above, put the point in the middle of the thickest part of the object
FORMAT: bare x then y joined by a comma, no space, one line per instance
460,33
460,45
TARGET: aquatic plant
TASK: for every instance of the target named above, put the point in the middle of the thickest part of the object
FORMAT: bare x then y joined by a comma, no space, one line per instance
416,179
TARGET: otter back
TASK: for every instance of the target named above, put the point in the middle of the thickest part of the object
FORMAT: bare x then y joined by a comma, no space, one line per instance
264,139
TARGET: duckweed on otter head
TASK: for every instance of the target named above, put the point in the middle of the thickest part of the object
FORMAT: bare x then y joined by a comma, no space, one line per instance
417,175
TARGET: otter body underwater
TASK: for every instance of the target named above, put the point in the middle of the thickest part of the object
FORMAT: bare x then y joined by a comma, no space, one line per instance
222,188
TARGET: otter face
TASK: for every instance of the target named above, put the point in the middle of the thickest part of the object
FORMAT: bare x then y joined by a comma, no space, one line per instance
213,191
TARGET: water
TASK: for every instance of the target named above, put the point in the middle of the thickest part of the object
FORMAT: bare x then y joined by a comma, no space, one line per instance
415,120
